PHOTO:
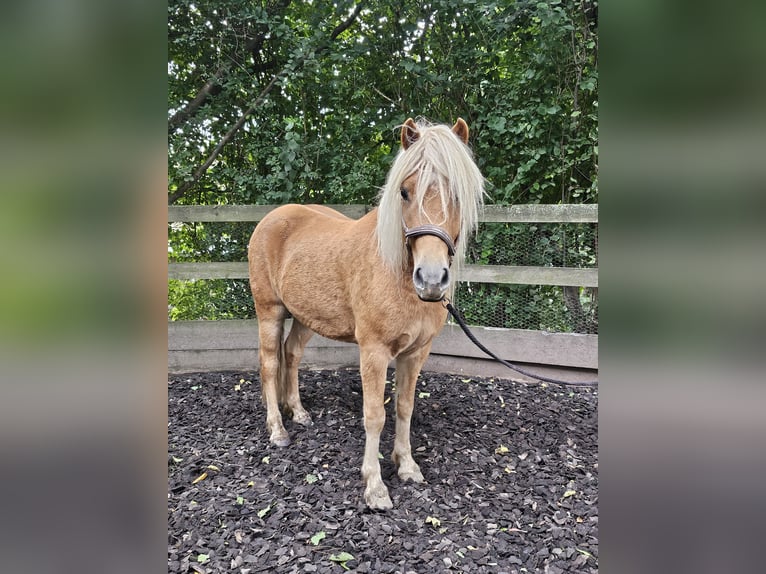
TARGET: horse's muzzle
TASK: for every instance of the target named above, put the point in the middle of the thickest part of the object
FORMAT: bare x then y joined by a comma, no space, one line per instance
431,282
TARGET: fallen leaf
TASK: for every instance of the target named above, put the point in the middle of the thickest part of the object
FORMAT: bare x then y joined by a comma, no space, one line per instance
201,477
213,467
264,511
569,493
203,558
502,449
177,460
311,478
434,521
318,537
266,459
423,395
251,483
342,558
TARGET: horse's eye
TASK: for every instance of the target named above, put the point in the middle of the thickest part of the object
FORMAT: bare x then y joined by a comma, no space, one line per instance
405,195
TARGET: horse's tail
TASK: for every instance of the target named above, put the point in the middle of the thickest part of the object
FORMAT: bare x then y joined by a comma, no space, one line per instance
282,384
281,378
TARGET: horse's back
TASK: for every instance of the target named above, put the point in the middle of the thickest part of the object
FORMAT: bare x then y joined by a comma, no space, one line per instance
324,210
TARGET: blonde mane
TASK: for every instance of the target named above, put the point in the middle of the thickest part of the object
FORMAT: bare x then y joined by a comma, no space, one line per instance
441,159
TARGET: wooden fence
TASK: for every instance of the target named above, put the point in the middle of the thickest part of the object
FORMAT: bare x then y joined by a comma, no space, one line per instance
233,344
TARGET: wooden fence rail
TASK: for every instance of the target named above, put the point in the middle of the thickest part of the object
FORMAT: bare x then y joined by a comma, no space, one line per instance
232,344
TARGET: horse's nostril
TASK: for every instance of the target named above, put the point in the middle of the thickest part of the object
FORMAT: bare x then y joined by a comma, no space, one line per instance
418,278
445,278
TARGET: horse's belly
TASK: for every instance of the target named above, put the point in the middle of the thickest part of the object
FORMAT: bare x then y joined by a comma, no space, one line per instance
333,326
320,304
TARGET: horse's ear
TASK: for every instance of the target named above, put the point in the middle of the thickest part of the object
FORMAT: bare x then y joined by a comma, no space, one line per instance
460,129
409,134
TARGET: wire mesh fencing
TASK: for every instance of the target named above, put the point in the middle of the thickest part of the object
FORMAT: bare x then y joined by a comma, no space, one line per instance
553,308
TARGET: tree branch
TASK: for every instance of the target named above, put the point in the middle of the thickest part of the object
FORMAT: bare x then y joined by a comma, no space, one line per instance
343,26
184,187
189,109
199,172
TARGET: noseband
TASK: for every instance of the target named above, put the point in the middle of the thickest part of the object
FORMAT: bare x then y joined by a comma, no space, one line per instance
434,230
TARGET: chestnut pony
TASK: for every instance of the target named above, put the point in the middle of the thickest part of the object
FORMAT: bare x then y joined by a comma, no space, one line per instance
376,281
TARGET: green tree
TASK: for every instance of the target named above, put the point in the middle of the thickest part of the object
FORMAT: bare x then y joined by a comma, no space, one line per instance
275,101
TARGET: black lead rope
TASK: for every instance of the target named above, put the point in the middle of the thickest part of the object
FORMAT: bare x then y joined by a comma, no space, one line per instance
460,321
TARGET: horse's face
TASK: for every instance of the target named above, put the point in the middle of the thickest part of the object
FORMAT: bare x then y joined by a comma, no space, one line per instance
431,255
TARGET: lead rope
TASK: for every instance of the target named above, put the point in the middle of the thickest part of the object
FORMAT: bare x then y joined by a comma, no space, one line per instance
460,321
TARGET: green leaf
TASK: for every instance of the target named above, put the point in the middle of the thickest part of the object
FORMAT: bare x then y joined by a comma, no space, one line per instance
423,395
342,557
569,493
318,537
311,478
433,521
240,501
203,558
264,511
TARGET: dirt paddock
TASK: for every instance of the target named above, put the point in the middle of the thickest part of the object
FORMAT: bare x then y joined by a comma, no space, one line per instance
511,479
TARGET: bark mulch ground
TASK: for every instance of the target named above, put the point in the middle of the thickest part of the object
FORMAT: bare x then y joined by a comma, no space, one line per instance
511,479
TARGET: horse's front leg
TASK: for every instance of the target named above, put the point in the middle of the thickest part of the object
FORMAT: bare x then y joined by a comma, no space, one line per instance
373,364
407,370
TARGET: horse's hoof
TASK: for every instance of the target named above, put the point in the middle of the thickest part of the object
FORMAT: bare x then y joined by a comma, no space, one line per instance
303,418
378,499
413,475
280,440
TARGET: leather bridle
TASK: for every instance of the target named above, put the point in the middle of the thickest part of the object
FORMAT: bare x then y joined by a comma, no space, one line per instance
434,230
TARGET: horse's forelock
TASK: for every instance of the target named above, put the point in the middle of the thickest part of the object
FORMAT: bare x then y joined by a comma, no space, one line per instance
441,158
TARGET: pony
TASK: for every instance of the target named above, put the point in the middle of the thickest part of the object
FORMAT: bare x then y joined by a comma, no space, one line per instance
377,281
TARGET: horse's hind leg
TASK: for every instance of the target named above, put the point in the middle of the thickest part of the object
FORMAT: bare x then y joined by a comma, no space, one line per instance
293,349
407,370
270,330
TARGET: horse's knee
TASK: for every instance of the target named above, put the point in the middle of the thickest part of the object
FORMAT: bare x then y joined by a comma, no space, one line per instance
374,421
